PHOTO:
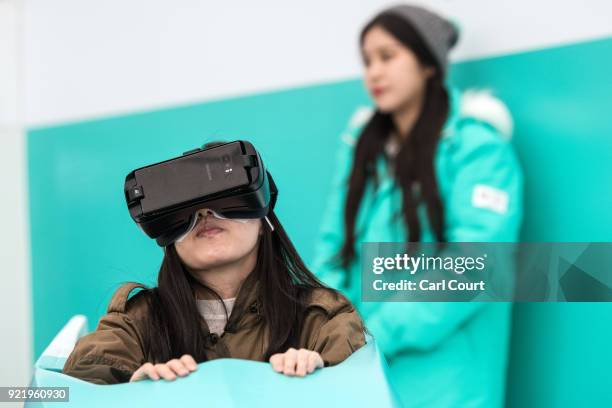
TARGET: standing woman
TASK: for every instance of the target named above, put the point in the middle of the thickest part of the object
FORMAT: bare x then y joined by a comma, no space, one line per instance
428,164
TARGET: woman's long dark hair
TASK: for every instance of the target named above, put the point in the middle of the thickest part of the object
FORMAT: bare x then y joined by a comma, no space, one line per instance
414,164
284,283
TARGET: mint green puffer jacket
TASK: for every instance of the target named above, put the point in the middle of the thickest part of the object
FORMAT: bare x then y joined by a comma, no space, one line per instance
440,354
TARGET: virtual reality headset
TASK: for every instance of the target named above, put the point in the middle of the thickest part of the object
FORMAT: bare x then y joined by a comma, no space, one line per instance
228,178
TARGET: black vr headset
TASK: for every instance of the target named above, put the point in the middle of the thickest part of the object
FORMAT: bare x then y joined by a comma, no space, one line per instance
229,178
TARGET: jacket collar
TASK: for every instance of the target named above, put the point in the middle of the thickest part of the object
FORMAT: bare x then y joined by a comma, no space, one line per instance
247,308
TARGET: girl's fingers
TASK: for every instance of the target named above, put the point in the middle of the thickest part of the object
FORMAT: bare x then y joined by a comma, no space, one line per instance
137,375
302,362
178,367
278,362
165,372
168,371
150,372
145,371
290,361
189,362
314,361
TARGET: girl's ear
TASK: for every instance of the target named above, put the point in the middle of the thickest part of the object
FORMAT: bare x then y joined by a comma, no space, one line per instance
429,71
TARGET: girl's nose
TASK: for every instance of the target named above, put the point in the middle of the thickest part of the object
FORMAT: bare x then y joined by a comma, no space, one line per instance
204,212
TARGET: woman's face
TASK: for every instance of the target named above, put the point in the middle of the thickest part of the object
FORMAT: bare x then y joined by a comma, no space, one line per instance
219,242
394,76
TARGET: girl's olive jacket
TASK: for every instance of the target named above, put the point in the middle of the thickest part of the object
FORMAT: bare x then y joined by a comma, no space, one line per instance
111,354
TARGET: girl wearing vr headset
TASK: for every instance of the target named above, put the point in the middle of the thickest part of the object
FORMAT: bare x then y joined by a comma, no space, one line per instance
427,164
226,288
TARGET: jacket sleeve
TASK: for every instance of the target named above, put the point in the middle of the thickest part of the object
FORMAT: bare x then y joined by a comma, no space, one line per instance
339,337
486,198
111,353
331,233
484,205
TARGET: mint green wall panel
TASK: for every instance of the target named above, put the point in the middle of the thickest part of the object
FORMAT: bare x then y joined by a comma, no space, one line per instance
561,99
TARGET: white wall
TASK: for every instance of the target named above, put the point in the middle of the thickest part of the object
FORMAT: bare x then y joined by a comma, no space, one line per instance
88,58
15,305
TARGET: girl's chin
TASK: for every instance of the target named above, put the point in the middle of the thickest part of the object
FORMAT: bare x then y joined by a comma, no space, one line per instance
210,262
386,107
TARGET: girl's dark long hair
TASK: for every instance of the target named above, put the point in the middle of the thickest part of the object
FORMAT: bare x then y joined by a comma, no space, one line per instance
414,164
284,284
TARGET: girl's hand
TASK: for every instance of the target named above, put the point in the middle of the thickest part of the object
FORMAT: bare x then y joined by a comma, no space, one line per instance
296,362
167,371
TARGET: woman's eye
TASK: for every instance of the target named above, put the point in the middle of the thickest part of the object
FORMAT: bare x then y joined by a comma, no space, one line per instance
386,56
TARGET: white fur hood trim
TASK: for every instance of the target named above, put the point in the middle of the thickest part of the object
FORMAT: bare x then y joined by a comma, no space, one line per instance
360,117
481,105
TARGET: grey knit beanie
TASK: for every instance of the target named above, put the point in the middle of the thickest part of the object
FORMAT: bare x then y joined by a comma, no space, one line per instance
439,34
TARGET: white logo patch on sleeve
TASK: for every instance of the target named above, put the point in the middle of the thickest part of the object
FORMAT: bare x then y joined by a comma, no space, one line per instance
490,198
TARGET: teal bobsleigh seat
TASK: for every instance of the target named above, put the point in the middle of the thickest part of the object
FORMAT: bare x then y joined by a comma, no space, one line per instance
359,381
